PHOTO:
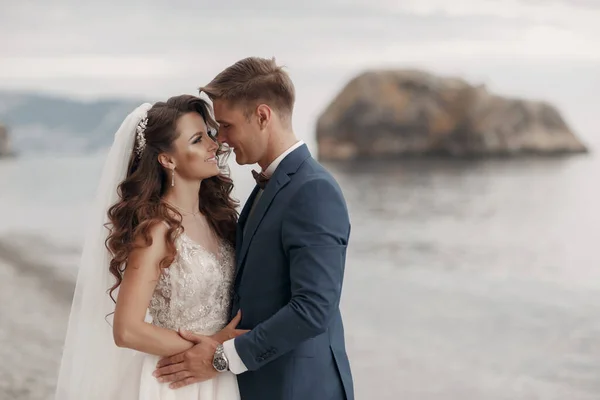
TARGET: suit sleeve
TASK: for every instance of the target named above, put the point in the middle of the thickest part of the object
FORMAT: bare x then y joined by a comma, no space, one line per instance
315,232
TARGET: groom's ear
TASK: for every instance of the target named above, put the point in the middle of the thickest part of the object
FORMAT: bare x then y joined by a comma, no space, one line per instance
264,114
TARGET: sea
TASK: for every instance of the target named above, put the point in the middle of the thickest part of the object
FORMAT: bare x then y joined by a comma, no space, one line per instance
466,279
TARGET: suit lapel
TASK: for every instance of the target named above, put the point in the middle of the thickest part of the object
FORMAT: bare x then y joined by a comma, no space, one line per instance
278,181
274,186
239,236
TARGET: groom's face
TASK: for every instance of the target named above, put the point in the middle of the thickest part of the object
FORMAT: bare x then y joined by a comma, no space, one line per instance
241,133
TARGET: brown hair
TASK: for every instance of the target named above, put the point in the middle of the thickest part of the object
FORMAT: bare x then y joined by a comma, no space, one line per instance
140,206
251,80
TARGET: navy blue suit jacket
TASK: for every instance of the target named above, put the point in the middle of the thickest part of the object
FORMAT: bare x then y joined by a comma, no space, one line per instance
290,268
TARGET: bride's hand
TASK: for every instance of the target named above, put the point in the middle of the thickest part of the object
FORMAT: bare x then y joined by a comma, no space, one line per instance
230,331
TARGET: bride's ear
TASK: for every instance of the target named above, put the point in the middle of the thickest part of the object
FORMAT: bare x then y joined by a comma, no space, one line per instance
166,161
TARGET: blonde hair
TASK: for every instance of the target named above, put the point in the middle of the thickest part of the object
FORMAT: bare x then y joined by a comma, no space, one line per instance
251,80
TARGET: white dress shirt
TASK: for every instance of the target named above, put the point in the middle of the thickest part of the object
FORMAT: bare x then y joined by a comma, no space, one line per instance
273,166
236,365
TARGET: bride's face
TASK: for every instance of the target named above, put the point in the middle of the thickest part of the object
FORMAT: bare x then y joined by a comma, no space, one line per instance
194,150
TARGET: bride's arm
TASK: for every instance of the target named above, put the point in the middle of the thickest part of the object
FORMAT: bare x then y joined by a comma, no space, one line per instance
139,280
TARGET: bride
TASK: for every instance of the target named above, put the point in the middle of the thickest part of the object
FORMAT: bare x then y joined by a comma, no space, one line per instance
158,258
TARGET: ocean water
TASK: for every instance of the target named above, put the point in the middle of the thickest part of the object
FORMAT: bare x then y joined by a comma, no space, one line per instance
465,279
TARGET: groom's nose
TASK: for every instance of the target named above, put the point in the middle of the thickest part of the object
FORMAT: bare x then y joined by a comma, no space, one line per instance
221,138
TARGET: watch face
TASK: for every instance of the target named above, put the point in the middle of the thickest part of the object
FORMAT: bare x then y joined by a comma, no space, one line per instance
220,364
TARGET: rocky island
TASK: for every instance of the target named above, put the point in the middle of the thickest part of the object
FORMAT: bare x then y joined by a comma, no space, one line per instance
5,148
411,112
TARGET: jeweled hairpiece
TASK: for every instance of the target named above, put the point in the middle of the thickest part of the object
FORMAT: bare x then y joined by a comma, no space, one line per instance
140,138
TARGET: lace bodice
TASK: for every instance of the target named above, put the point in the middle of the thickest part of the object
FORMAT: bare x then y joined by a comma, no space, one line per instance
194,292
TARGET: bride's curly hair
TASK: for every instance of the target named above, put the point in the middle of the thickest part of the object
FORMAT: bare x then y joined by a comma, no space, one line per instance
140,206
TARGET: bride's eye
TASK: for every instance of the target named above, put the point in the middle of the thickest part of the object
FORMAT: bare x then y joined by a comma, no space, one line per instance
198,139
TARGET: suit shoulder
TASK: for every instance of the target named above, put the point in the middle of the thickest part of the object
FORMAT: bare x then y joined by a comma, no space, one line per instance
314,178
312,170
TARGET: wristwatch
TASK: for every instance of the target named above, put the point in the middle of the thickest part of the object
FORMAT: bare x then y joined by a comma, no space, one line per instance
220,361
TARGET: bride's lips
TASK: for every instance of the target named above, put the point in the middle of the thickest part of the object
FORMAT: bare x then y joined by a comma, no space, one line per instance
213,160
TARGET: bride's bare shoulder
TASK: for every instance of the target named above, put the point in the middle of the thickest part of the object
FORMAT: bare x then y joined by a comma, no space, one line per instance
152,242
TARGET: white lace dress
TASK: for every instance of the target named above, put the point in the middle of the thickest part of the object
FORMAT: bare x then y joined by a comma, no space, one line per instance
194,294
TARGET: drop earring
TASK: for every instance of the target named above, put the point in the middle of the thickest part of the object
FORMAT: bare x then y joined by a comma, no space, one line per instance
173,177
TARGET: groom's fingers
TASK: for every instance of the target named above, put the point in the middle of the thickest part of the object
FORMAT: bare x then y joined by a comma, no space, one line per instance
168,370
170,360
179,376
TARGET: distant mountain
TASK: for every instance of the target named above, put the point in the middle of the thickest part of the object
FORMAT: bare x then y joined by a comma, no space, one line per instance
40,123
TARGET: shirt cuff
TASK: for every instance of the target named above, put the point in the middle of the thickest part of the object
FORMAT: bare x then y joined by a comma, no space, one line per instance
236,365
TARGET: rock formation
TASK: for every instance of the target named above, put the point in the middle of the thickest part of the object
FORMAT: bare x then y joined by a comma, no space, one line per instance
5,149
411,112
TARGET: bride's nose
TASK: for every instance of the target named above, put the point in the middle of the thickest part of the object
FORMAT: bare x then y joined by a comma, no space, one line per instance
213,145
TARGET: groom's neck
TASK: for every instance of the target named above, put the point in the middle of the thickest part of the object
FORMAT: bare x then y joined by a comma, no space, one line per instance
279,142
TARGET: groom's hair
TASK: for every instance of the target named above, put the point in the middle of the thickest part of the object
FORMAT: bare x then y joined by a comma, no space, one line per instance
254,80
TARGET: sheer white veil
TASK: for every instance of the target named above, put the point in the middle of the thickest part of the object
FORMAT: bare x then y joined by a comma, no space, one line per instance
92,364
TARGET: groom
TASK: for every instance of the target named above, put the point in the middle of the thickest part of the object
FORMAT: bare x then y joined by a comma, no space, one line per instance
291,249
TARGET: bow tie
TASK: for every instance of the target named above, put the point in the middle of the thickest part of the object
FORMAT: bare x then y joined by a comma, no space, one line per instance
261,179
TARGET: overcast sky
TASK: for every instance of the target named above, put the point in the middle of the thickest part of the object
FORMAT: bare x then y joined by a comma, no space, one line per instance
533,48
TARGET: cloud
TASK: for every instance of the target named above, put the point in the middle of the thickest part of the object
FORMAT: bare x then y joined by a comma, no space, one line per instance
576,3
155,30
122,28
157,47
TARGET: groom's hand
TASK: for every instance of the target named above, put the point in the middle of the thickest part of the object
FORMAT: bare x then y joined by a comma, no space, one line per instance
230,331
192,366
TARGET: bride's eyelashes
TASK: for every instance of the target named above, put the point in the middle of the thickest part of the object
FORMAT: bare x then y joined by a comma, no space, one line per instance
198,139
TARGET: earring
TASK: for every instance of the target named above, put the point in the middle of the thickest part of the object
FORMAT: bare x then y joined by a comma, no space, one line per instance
173,177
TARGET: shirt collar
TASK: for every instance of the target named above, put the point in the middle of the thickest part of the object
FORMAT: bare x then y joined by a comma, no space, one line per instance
273,166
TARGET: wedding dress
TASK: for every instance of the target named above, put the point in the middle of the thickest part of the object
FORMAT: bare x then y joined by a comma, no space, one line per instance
194,294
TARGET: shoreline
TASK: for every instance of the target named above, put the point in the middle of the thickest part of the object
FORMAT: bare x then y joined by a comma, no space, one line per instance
43,266
35,311
36,291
